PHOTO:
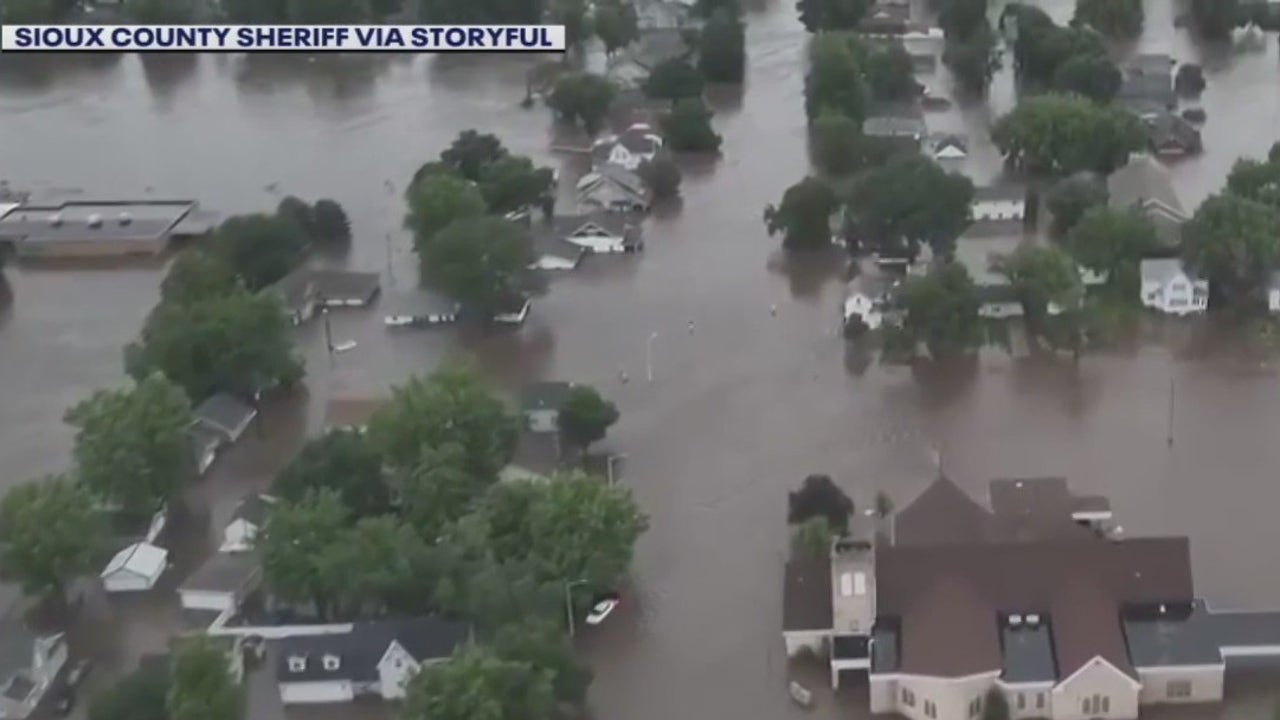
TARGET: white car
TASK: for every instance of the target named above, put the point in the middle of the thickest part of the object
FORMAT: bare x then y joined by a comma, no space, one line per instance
602,610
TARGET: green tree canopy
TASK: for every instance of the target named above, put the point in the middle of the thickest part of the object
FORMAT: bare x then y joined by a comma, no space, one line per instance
572,14
585,416
202,687
963,18
942,311
1215,19
261,248
891,74
722,49
687,127
471,152
1113,242
238,344
343,461
329,12
50,534
438,200
451,406
1071,197
514,182
973,59
662,176
582,98
1117,18
1091,75
1256,180
439,488
140,695
477,684
819,496
131,446
1235,243
330,224
303,546
819,15
542,645
804,215
811,539
674,79
615,24
912,199
1045,280
836,144
197,275
1064,134
477,261
834,82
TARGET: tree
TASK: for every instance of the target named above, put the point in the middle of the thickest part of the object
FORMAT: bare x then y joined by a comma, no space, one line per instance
582,98
585,416
804,215
471,152
1043,278
343,461
1113,242
477,684
329,12
238,344
688,127
514,182
140,695
1216,19
542,645
1116,18
913,200
381,559
1091,75
883,507
261,248
1071,197
452,405
438,488
1189,80
197,275
438,200
662,176
131,446
673,80
298,210
942,311
1065,134
812,539
572,14
616,25
722,48
159,12
330,224
819,496
478,262
1256,180
201,686
973,59
302,549
1233,241
834,81
996,707
963,18
835,144
818,15
891,74
49,535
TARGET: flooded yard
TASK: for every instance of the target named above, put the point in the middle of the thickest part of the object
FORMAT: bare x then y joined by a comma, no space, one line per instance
738,411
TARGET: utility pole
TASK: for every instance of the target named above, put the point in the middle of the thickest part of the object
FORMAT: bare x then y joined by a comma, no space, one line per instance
1172,397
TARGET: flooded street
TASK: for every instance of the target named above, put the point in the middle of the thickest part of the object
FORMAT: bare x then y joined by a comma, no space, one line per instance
738,412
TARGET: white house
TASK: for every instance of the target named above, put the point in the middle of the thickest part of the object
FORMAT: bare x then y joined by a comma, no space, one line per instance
948,147
1169,288
555,253
980,250
249,518
599,232
221,583
999,202
633,146
136,568
612,188
29,663
373,659
540,404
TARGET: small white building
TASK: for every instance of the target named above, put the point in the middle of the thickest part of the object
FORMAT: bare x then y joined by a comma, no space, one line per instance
1167,286
540,404
136,568
373,659
1000,202
629,149
249,518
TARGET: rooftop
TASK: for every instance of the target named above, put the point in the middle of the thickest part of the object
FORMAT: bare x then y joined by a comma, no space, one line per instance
1141,181
78,221
1162,270
223,572
224,412
853,587
254,508
1000,192
359,651
807,597
1027,645
983,244
1181,634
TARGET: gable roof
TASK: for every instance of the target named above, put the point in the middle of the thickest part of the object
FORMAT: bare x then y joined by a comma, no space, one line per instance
223,572
1162,270
360,651
141,559
1142,181
942,513
1148,78
614,224
224,412
1002,191
1166,129
254,508
948,630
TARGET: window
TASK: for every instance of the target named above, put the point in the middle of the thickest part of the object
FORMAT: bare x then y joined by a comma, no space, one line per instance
1039,701
975,707
297,663
1178,689
1106,704
930,709
1022,701
1097,705
908,698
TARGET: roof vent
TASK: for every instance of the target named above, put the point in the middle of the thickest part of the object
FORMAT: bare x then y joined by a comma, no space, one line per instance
1015,621
332,662
95,220
1163,609
125,218
55,220
1033,620
297,663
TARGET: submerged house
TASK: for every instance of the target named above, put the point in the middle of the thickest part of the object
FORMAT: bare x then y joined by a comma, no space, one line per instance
980,250
1169,287
29,664
100,230
1144,186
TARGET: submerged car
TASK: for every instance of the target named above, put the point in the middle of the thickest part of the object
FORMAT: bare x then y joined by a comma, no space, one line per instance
603,607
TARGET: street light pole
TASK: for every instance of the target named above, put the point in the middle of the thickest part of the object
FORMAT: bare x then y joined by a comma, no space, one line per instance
328,332
648,355
568,602
609,466
1171,401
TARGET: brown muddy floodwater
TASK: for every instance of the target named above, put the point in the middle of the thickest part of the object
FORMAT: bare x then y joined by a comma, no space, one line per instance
738,411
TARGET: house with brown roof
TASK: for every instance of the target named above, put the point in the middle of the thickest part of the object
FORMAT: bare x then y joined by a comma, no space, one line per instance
1030,594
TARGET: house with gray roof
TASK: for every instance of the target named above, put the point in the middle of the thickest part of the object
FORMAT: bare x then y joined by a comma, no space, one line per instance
29,664
221,583
631,66
1145,186
980,249
225,415
1147,82
372,659
612,188
1170,135
1033,595
90,230
897,125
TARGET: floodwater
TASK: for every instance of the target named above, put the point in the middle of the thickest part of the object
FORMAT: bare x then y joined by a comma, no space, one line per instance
738,411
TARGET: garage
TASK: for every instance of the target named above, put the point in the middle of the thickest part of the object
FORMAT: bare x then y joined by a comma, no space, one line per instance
324,691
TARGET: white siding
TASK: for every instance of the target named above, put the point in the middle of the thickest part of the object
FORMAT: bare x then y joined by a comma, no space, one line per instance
883,691
305,693
1096,678
1028,700
207,600
799,640
598,243
1273,300
543,420
394,671
125,581
999,209
951,696
554,262
238,536
1203,681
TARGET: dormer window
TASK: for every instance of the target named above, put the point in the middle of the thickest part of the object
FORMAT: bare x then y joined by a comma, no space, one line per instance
297,663
332,662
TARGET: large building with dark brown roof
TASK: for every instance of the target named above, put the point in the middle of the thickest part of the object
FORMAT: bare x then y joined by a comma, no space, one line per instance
1033,596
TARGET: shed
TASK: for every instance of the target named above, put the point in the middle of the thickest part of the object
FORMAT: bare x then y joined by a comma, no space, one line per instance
220,583
136,568
225,415
540,403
